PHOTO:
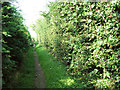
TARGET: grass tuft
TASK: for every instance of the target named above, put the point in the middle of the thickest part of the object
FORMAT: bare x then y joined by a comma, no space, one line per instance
54,71
24,78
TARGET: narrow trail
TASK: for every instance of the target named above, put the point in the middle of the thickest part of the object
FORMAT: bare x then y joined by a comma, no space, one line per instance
39,79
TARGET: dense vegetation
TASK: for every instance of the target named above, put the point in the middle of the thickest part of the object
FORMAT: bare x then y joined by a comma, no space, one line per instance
15,41
85,36
25,76
55,73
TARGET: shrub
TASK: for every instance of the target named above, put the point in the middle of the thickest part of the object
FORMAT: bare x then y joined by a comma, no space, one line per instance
15,40
86,37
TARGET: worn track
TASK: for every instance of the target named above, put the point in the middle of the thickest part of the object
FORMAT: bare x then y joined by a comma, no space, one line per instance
39,79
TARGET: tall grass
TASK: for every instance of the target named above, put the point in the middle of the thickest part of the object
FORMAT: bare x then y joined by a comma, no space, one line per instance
54,71
24,77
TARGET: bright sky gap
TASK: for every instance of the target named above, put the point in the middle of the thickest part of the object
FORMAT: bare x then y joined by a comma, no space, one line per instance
31,11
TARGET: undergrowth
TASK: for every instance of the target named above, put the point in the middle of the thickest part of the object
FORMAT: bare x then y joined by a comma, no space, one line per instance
24,77
55,74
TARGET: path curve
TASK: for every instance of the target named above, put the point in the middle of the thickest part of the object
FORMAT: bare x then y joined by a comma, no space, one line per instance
39,79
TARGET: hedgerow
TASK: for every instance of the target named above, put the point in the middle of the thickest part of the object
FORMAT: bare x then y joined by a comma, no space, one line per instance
15,40
86,37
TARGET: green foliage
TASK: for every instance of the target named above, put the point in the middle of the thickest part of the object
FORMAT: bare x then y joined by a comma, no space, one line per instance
86,37
54,71
15,40
25,76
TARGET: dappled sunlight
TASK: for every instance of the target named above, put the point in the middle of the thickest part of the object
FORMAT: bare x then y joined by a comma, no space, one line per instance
71,44
67,81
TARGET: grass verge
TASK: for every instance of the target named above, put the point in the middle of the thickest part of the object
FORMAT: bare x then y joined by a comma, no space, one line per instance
55,73
24,78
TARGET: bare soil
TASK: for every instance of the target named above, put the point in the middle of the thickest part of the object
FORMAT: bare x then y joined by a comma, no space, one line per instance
39,75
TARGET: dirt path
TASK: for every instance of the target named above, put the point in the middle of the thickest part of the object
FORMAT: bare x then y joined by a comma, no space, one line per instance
40,79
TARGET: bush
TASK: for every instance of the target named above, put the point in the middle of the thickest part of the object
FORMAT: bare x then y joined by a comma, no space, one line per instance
86,36
15,40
